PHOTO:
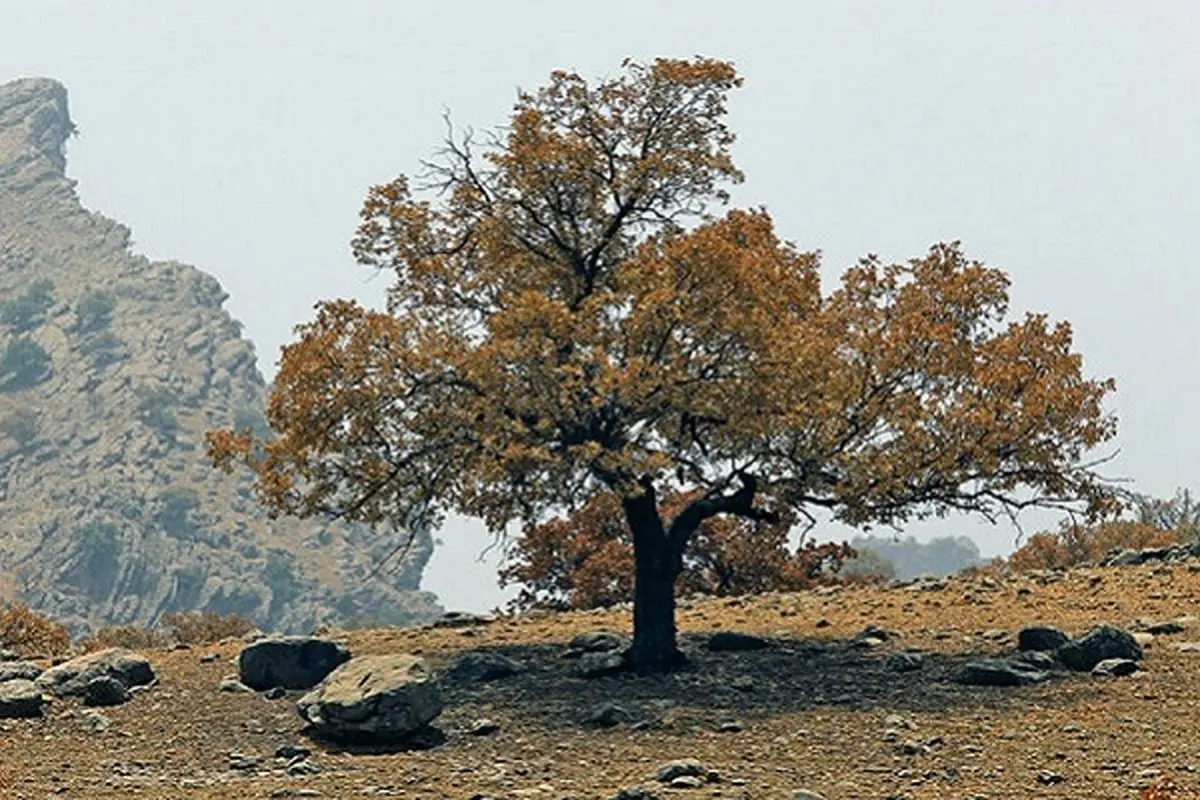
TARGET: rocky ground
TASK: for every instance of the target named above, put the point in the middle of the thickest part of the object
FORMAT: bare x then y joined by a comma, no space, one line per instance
824,709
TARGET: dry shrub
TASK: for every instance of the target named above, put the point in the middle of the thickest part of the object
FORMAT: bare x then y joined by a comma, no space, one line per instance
205,627
29,633
1073,544
586,560
130,637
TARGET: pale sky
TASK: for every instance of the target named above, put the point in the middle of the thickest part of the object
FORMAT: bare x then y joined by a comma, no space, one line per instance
1058,140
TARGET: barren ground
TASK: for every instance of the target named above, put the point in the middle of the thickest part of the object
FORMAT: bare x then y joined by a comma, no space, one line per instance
813,711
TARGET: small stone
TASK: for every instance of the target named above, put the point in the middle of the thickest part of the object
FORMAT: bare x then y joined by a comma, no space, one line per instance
211,658
905,662
95,722
686,782
686,767
275,693
1164,628
303,767
597,642
805,794
480,666
243,762
483,727
235,686
1115,667
729,726
595,665
1048,778
291,751
606,715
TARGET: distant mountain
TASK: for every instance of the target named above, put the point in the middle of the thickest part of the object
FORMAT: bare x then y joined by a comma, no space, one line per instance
909,558
112,367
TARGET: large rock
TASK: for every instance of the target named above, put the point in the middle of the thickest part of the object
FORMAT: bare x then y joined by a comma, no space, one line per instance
72,677
129,363
105,691
1000,672
289,662
1101,643
1041,638
20,698
373,698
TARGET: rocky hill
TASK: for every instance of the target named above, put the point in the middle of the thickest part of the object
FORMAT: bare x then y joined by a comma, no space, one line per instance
112,367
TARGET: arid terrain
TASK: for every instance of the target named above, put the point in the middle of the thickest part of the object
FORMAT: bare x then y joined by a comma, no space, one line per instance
819,711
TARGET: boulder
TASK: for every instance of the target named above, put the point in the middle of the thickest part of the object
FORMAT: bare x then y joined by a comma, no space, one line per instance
105,690
1100,643
733,642
1000,672
20,697
479,666
71,678
1038,659
289,662
1041,638
373,699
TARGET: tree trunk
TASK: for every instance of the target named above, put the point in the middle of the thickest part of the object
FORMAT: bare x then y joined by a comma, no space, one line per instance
656,568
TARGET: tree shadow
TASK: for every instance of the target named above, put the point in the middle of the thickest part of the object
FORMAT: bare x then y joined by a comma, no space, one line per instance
792,675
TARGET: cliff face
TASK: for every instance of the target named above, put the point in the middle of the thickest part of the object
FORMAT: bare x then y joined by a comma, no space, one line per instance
112,368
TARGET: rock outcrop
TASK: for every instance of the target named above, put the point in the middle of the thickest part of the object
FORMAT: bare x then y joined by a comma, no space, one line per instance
112,368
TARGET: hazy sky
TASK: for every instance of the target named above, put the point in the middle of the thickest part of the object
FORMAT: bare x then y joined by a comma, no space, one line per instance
1058,140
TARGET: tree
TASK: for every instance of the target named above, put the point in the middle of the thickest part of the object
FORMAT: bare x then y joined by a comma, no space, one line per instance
570,316
586,560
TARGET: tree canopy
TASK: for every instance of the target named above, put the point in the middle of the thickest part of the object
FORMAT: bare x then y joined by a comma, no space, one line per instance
570,315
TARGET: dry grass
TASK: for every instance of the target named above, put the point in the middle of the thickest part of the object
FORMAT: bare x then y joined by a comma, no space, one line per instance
28,633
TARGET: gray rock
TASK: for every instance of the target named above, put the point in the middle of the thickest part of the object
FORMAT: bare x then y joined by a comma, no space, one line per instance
595,665
1000,672
105,690
597,642
1165,628
905,662
1041,638
606,715
373,698
479,666
734,642
805,794
26,670
684,767
72,677
483,727
95,722
1100,643
20,698
1038,660
290,662
1115,667
234,686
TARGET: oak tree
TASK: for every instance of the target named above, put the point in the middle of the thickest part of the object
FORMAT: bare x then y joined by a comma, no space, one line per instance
571,315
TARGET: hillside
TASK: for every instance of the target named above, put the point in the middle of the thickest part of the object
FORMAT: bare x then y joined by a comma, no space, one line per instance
112,367
822,710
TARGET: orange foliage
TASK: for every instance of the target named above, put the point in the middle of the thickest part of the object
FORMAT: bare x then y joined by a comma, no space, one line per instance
1074,543
570,316
586,560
